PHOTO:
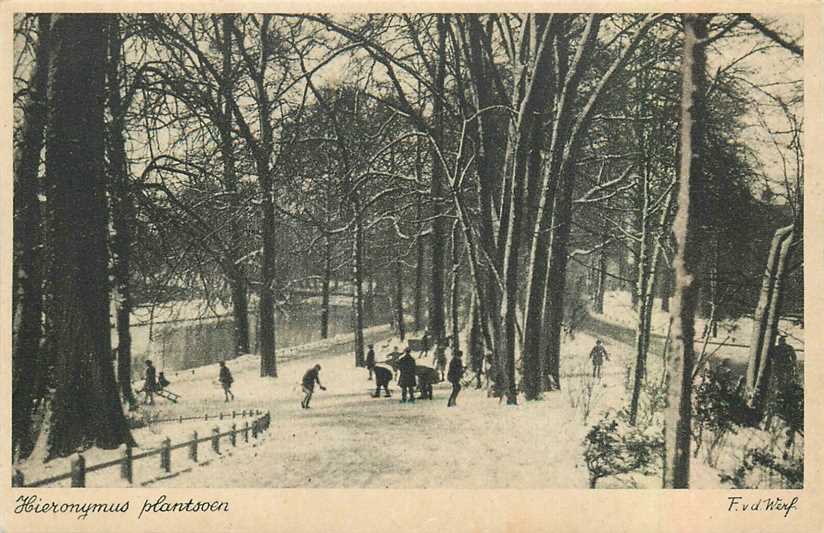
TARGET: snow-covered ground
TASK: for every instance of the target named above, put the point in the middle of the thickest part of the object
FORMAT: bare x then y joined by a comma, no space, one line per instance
349,439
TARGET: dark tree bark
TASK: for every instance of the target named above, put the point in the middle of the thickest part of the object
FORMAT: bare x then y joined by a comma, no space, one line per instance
27,294
123,215
687,230
86,408
235,271
399,320
357,285
438,238
454,292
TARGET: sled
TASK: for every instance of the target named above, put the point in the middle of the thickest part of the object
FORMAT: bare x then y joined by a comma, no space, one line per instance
169,395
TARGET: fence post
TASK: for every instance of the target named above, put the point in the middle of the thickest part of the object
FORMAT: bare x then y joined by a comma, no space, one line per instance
255,426
216,439
17,479
166,455
206,417
245,431
193,447
126,465
79,471
234,413
180,420
221,415
233,435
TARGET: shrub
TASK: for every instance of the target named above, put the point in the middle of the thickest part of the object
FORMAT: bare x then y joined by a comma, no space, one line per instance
719,408
759,461
614,447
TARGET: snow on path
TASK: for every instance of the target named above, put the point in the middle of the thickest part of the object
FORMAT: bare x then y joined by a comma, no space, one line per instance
349,439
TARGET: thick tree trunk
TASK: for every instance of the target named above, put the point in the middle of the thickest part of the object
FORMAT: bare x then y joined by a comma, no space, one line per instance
266,333
27,294
677,414
418,304
601,278
765,318
86,408
123,216
236,273
438,238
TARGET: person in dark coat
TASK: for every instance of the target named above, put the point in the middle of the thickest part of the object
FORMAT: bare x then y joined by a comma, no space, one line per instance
309,379
382,378
439,357
226,380
370,360
406,366
149,382
783,363
454,375
598,354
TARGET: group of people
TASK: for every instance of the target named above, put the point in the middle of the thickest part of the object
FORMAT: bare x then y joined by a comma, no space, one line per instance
405,365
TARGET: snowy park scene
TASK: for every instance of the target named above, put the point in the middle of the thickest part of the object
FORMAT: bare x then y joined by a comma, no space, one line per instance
408,251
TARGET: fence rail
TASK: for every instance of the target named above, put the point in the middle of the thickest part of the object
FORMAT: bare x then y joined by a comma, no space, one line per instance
78,470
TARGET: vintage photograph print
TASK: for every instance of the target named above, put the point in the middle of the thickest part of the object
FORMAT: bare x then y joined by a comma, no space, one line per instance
407,251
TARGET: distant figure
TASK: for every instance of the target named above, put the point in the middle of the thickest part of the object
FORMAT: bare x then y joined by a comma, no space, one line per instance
783,361
598,354
149,383
456,371
393,358
425,340
309,379
382,378
370,360
406,366
226,380
439,357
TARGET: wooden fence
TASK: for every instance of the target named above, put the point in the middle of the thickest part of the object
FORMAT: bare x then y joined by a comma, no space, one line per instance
78,471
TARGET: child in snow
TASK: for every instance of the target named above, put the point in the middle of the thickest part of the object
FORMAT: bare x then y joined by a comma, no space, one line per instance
456,371
226,380
309,379
598,354
149,382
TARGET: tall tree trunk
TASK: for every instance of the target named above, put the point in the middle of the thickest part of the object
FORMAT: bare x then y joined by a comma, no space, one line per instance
765,318
687,230
236,273
123,215
86,409
601,276
455,295
27,294
357,285
327,275
399,299
438,237
266,334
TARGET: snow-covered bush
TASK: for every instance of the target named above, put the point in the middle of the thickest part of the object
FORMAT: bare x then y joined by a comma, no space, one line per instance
719,408
614,447
760,466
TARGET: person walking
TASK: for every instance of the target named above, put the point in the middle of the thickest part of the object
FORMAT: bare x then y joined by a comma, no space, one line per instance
370,361
406,366
784,361
598,354
454,375
309,379
149,382
226,380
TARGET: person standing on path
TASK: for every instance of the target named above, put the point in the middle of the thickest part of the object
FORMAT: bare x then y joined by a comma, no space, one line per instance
370,360
439,357
149,382
598,354
454,375
309,379
406,366
226,380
